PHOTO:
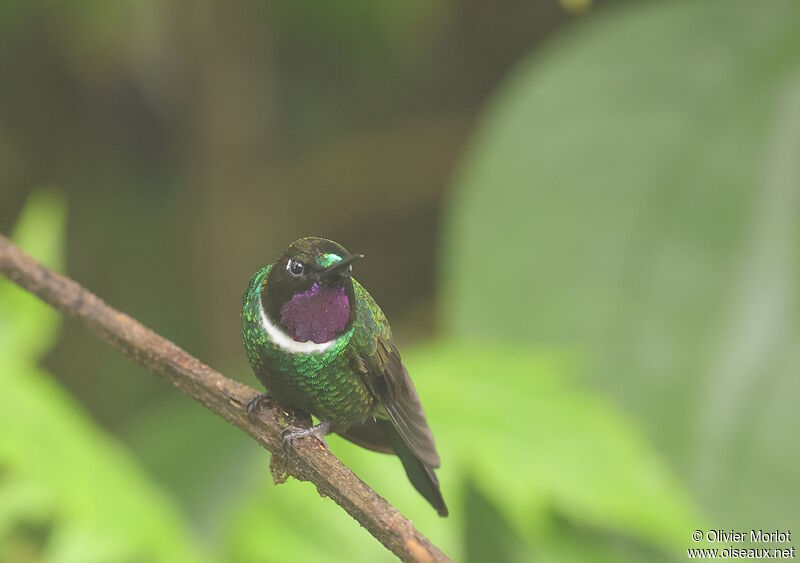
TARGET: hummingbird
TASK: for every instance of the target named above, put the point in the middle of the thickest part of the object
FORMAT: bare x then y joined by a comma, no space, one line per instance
319,343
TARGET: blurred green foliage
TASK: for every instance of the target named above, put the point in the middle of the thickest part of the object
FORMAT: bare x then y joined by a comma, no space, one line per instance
637,189
68,492
517,432
514,428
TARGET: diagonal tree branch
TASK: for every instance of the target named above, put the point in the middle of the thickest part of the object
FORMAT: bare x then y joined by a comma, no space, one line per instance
308,461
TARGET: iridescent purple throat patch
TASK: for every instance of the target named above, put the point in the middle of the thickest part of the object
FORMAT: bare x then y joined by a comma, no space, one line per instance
319,314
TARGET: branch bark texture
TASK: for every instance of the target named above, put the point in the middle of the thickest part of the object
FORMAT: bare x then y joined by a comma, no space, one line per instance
308,460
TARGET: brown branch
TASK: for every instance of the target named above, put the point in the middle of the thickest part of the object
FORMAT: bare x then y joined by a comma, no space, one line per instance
308,461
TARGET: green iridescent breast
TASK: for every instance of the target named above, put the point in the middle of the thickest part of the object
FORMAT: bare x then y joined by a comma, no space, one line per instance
320,382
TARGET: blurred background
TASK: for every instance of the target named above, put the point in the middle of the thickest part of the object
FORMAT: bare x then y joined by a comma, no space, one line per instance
582,219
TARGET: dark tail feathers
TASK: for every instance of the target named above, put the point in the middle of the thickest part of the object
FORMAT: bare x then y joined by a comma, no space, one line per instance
421,476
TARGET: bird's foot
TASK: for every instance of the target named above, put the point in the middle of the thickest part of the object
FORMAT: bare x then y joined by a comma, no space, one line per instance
319,431
255,405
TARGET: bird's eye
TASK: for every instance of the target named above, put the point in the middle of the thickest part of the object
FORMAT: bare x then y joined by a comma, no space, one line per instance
295,267
350,269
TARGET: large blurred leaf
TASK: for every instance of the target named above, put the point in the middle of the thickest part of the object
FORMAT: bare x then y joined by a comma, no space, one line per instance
538,446
512,424
292,523
27,326
197,455
634,191
67,492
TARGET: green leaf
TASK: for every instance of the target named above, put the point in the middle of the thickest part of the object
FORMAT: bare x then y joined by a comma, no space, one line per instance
633,193
28,327
70,475
537,444
197,456
68,493
291,522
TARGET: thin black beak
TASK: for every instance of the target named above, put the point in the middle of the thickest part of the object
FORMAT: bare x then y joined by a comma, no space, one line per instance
338,267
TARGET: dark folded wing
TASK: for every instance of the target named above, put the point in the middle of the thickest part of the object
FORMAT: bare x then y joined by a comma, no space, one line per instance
377,361
387,378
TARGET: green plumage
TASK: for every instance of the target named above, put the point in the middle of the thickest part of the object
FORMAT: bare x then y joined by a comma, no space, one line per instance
323,384
319,343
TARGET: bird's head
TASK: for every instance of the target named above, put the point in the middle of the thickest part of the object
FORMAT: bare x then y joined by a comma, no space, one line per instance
309,289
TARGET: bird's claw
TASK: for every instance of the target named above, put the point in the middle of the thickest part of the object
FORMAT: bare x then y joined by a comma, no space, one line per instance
293,432
255,405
